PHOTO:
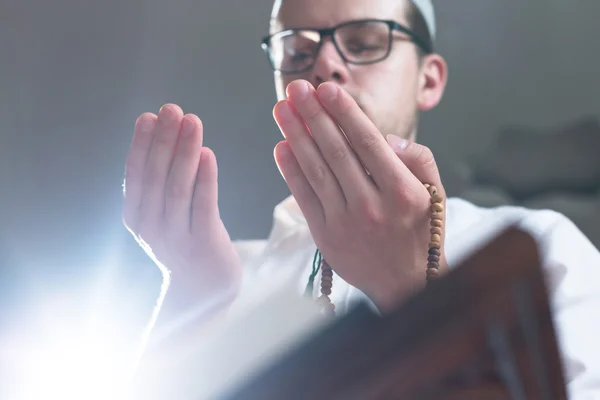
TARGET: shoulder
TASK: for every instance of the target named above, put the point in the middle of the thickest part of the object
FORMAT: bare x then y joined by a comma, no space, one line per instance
564,249
463,210
470,226
463,216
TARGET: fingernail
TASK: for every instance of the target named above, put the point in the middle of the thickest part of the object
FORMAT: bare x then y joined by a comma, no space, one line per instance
145,123
187,128
328,91
164,108
167,113
303,90
396,142
300,89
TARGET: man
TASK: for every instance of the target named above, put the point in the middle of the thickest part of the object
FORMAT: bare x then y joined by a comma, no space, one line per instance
365,68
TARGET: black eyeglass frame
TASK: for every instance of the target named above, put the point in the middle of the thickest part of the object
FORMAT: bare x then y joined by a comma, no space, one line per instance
330,32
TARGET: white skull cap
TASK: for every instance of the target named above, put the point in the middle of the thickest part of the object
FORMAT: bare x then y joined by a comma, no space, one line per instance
426,9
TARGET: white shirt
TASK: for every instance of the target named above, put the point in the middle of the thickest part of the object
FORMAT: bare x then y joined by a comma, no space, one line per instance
570,260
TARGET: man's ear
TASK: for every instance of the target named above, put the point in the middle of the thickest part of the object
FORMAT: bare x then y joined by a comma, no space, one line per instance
432,81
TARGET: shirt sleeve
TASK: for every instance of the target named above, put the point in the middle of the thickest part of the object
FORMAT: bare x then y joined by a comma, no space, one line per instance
572,264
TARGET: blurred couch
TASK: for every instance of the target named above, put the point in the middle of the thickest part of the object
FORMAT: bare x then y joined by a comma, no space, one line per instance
555,169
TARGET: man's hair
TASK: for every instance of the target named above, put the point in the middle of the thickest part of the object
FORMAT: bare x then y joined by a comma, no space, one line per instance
416,22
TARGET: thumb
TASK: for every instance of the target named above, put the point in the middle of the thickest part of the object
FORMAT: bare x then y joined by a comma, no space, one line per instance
418,159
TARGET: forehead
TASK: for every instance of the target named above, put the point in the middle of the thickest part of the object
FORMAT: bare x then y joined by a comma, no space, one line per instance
324,13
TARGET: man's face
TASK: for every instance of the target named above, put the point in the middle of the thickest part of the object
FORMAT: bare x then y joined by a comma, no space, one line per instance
387,91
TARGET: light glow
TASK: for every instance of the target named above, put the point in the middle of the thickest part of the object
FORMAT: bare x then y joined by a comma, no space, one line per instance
54,358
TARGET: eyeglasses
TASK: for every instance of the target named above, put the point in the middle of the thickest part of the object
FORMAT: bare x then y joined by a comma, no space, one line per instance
365,41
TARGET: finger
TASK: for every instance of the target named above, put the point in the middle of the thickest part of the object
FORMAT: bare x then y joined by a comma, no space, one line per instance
419,160
159,161
182,176
134,168
332,143
296,180
311,162
205,202
366,140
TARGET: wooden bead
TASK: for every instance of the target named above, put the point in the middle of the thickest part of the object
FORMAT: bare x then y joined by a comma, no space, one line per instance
436,223
325,284
433,272
437,207
435,252
436,216
326,290
327,272
436,230
437,199
326,278
433,258
330,308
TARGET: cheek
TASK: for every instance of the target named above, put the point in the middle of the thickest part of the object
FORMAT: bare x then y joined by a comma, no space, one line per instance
391,98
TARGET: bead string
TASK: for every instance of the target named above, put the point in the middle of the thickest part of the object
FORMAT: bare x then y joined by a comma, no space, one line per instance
433,258
435,242
316,264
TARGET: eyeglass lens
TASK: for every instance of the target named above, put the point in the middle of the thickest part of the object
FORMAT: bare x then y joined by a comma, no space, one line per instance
360,42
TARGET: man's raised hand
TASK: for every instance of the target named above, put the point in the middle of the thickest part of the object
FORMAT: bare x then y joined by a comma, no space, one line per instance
170,205
364,201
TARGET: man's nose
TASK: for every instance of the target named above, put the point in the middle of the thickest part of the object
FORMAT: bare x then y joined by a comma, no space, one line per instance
329,66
